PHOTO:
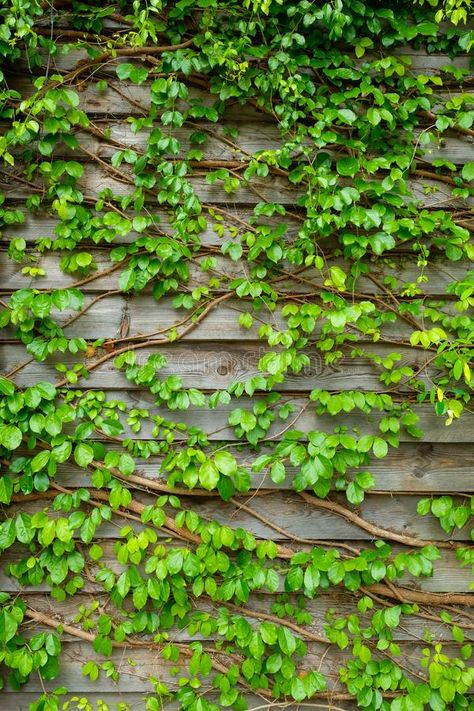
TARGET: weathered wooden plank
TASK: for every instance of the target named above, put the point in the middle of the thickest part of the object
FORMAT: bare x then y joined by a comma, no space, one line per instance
215,365
416,60
416,467
439,274
303,417
23,700
344,602
145,315
136,701
273,189
249,135
137,665
295,517
448,576
41,225
135,100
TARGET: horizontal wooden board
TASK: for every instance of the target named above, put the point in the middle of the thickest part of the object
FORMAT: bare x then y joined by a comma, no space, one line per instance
214,422
137,665
40,225
344,602
215,365
273,189
448,576
143,315
296,517
248,138
439,274
416,467
416,60
136,702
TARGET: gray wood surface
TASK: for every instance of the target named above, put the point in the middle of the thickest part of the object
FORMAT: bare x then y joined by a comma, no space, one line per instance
318,608
137,665
142,314
39,225
425,192
256,135
219,352
439,273
414,468
297,518
417,61
214,422
213,364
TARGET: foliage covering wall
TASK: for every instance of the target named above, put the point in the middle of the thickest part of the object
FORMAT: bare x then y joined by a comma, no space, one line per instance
236,334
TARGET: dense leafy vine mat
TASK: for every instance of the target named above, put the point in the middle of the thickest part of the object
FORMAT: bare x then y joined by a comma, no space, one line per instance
236,337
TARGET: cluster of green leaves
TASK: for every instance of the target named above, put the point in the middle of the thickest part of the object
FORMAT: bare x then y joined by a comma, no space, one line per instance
352,212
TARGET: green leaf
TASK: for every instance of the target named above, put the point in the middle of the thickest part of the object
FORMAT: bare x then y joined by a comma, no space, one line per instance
286,641
40,461
427,28
123,71
378,570
392,616
347,116
423,507
208,475
225,463
347,166
277,472
6,489
83,454
10,436
248,421
380,448
8,626
6,387
140,596
126,464
467,172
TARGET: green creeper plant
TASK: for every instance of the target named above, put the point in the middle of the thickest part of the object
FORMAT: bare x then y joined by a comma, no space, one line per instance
340,236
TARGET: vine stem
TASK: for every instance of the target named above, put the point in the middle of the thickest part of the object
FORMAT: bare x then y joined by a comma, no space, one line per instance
185,649
376,531
285,533
155,342
401,594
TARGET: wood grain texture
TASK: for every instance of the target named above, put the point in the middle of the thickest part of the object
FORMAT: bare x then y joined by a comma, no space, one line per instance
344,602
415,468
40,225
145,315
297,518
136,666
417,61
135,701
219,352
20,702
439,274
448,576
214,422
250,134
424,192
215,365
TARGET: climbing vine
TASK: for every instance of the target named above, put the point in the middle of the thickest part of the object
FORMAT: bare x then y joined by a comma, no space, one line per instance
291,177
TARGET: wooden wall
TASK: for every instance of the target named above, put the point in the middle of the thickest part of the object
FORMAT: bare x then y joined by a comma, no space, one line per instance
217,353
